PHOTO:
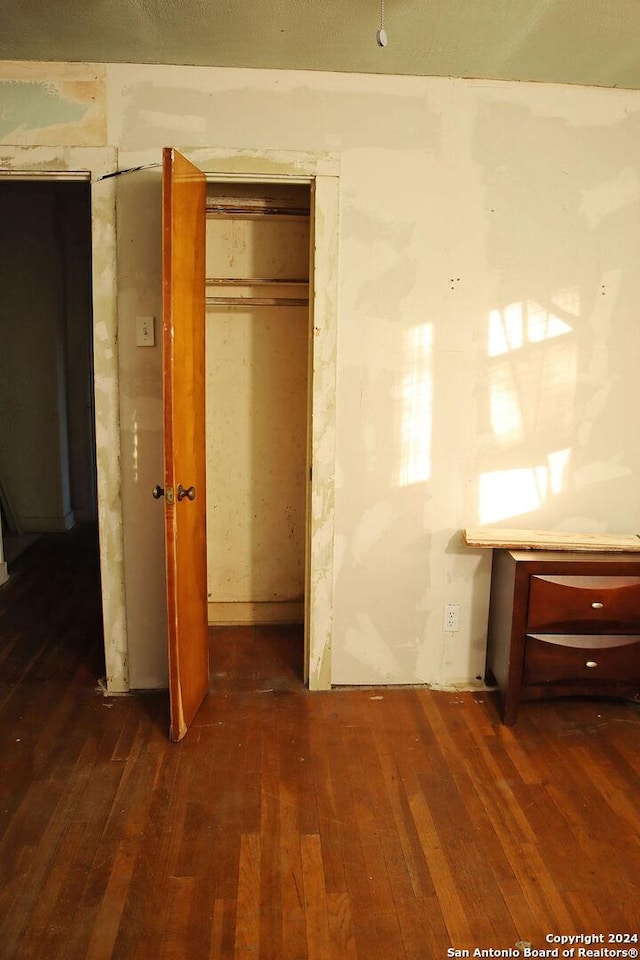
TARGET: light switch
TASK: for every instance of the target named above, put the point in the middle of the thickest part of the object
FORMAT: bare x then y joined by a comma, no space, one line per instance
145,332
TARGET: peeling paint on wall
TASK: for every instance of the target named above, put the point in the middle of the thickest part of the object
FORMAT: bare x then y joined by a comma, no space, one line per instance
58,104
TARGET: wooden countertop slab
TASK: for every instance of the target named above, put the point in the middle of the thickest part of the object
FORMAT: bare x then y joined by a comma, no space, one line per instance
550,540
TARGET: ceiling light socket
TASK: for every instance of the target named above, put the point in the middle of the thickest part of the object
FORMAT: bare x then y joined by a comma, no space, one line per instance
381,37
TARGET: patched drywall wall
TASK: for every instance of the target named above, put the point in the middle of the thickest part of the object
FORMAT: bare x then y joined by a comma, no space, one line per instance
486,324
487,336
52,104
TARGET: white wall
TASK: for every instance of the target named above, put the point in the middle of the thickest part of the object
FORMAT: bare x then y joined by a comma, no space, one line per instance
488,340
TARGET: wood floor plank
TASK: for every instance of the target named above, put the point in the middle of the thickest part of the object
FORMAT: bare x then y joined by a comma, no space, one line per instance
447,892
175,940
340,926
46,923
294,933
399,771
247,939
613,790
422,929
109,915
222,931
364,869
270,898
315,900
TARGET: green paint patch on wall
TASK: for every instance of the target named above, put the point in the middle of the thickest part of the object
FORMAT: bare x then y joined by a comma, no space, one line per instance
32,106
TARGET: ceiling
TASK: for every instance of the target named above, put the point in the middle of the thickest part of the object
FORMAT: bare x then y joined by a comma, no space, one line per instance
595,42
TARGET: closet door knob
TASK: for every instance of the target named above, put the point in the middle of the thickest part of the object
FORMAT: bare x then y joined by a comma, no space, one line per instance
189,493
159,491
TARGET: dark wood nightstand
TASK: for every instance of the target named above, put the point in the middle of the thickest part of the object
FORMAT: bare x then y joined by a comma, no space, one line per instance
563,624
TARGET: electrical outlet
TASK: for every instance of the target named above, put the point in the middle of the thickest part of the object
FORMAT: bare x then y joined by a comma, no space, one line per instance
451,619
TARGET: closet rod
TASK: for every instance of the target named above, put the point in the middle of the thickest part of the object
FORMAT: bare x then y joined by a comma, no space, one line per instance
259,301
252,282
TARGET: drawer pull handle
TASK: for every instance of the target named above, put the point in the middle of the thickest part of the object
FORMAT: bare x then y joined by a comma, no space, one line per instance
591,663
597,605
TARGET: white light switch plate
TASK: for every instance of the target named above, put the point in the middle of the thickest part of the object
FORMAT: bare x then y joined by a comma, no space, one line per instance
145,332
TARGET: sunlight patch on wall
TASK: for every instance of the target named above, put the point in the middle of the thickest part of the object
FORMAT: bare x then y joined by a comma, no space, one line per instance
528,322
504,406
416,407
533,369
509,493
531,395
531,384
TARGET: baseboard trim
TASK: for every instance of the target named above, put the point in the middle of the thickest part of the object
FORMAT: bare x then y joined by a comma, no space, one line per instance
254,612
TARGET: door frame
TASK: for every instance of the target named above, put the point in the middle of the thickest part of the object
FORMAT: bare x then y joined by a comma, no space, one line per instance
321,172
96,165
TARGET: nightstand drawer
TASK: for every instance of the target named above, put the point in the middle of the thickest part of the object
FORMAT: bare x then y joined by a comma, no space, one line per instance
584,604
562,657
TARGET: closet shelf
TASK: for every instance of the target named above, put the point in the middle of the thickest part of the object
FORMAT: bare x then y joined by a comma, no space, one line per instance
259,301
233,301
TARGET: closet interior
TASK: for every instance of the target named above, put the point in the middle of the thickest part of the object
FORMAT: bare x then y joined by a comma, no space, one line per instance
257,400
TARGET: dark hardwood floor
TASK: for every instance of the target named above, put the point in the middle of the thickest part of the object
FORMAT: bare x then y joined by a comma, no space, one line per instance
381,824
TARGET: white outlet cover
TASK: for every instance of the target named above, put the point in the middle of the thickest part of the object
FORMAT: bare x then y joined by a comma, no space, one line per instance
451,618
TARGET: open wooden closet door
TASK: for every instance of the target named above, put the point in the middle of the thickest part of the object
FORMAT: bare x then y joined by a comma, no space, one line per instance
183,256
